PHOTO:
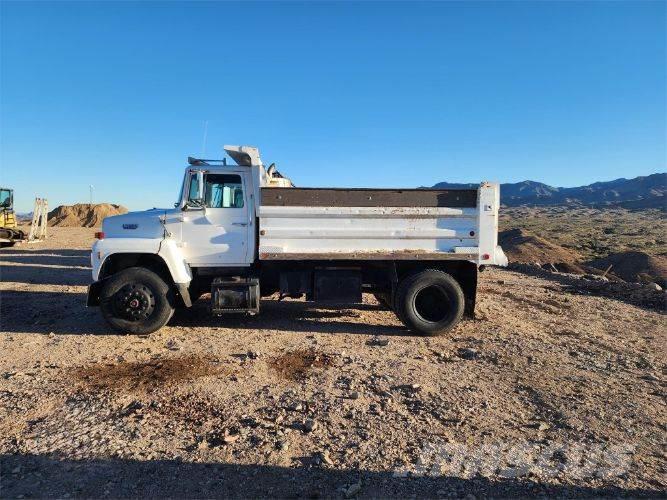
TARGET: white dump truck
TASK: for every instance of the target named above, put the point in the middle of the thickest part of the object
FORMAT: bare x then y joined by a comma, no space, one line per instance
243,231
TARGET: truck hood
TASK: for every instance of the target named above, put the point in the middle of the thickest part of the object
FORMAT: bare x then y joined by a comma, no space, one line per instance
142,224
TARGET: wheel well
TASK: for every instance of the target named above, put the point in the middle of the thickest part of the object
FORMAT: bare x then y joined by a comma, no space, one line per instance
119,261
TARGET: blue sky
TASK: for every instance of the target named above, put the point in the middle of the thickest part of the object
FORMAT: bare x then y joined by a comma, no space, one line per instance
115,94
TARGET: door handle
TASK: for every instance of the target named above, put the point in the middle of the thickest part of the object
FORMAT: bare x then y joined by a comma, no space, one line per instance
242,224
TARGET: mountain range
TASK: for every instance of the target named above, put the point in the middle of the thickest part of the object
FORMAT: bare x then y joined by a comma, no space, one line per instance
641,192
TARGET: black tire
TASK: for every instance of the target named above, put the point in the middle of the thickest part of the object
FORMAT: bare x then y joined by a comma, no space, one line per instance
430,302
384,299
137,301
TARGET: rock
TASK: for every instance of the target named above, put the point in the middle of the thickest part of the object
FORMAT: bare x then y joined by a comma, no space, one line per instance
353,395
653,287
173,345
296,407
282,445
324,458
467,353
353,489
310,425
377,341
216,438
131,408
230,438
543,426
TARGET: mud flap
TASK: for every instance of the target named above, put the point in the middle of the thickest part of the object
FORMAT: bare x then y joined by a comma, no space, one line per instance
94,294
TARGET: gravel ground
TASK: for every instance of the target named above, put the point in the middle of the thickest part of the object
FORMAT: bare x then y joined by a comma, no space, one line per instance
556,388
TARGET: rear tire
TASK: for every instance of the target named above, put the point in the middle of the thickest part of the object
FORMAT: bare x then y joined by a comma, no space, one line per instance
136,301
430,302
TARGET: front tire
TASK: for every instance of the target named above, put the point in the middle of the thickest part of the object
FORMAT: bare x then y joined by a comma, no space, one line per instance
136,300
430,302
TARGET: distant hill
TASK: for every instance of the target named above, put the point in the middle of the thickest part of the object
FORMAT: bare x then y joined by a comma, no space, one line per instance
641,192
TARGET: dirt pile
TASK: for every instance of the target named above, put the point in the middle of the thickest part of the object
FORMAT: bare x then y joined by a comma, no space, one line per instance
524,247
83,214
635,266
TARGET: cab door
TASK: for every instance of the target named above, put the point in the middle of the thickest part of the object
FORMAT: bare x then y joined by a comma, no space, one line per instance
216,224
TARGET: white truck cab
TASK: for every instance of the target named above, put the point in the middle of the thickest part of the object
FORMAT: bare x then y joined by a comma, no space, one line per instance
243,231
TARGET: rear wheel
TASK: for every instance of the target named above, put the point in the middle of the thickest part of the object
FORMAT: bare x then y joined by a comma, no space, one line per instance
429,302
136,300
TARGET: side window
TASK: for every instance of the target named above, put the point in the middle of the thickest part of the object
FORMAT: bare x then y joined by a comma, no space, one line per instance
5,198
194,188
223,191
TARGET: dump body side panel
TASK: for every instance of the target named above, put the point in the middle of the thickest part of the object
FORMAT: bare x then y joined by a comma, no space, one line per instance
377,224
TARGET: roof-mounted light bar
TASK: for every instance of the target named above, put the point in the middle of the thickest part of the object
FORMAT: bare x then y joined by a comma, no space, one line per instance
200,161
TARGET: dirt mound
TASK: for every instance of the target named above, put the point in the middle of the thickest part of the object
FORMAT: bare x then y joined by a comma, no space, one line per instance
83,214
522,246
635,266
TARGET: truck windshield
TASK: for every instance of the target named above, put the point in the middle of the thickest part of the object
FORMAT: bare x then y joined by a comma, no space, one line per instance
5,198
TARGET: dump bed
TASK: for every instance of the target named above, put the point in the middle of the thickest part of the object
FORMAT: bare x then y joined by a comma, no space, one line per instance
380,224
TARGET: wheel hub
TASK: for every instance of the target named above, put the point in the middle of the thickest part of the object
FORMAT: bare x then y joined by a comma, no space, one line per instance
134,302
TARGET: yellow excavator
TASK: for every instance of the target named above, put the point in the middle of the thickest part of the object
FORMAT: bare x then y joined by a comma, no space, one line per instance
10,234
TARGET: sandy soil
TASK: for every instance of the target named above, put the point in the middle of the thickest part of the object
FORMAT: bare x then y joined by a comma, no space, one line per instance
554,389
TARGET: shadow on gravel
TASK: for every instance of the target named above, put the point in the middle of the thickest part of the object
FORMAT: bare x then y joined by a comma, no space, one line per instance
630,293
45,275
61,313
25,311
291,316
33,476
46,267
63,252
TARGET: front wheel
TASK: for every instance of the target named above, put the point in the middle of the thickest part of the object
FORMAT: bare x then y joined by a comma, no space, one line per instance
136,300
430,302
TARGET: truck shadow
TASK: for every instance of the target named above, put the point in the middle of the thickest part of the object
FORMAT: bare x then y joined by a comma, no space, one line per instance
297,316
37,476
65,313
